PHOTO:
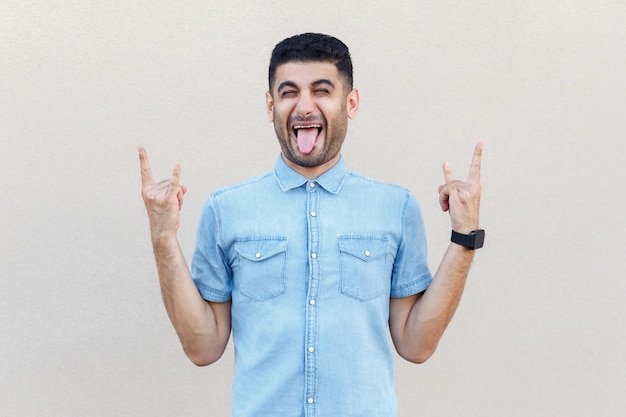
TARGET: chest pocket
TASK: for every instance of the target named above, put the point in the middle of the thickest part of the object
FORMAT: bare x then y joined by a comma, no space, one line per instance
365,267
261,274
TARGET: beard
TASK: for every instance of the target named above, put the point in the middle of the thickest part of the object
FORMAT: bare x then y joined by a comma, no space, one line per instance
330,146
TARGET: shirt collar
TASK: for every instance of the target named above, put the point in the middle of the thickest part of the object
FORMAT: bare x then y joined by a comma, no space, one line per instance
331,180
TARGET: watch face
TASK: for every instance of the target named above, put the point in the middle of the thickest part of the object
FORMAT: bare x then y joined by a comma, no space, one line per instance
479,238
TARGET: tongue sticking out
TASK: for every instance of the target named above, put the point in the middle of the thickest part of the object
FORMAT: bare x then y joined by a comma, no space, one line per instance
306,139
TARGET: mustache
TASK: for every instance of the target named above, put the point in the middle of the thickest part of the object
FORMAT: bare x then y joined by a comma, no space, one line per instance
300,119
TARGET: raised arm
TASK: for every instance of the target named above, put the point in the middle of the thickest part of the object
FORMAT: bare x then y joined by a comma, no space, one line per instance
202,327
418,322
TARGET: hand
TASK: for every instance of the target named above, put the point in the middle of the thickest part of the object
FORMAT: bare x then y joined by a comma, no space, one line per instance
462,198
163,200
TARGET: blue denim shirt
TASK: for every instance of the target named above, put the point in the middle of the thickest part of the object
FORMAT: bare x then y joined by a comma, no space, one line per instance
310,267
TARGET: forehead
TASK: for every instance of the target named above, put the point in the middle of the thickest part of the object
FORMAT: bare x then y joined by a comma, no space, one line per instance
305,73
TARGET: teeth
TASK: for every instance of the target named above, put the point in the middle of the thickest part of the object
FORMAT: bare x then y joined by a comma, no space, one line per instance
307,127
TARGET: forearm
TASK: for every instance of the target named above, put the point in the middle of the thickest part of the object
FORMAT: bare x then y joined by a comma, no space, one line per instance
433,310
202,327
418,322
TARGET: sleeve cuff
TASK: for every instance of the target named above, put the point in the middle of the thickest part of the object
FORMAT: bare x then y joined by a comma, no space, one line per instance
213,295
414,287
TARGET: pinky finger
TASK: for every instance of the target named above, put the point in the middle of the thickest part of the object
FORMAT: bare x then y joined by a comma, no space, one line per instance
447,173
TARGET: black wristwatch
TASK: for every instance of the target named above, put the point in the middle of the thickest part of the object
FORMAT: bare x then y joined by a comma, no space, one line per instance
474,240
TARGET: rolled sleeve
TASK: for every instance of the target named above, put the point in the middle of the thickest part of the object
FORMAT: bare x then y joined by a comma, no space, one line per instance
209,269
411,274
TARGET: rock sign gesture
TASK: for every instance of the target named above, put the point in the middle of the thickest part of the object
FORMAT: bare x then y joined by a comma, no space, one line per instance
462,198
163,199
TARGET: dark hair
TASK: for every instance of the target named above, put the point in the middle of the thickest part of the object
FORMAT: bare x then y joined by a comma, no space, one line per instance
312,47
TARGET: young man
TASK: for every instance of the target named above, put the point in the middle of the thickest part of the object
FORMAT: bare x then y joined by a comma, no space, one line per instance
310,264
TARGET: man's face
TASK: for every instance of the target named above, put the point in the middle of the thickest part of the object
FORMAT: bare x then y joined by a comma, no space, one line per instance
310,108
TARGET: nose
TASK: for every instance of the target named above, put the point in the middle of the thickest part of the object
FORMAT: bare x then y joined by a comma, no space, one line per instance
305,106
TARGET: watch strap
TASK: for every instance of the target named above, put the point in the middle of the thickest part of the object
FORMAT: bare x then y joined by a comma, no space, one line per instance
474,240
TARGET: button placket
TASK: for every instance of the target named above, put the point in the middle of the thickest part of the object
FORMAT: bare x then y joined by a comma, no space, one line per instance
313,285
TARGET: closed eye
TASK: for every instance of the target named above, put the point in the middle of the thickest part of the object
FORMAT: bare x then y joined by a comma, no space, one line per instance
288,93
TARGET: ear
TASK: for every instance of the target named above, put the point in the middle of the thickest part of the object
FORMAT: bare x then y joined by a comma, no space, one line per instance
352,103
269,106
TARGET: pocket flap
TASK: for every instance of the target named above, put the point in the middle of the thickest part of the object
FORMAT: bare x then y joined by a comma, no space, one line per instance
260,249
366,249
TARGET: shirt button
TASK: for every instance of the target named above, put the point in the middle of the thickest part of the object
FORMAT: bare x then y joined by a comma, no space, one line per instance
310,400
312,302
367,253
313,214
312,185
258,255
314,255
311,349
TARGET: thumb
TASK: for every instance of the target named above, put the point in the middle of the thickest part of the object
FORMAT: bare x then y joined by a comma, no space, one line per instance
444,197
181,194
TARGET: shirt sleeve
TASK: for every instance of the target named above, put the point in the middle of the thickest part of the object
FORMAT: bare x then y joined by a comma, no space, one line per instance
411,274
209,269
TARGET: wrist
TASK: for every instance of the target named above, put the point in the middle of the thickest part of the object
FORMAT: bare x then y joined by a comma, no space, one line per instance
472,240
162,239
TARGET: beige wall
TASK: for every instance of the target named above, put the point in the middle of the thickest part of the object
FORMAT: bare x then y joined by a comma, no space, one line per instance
540,331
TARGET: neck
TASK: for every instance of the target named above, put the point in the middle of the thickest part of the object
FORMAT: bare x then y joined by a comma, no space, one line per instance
312,172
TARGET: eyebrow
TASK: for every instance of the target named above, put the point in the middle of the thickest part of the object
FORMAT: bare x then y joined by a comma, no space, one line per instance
286,84
323,81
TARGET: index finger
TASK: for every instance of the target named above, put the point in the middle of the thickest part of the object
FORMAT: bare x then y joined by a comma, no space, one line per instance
474,171
144,164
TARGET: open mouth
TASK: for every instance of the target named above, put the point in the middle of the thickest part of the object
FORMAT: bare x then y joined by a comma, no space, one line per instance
298,128
306,136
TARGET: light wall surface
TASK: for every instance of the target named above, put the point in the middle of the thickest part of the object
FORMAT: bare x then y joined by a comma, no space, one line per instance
540,330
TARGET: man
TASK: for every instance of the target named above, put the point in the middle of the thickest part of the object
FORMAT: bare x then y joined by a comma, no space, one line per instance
310,264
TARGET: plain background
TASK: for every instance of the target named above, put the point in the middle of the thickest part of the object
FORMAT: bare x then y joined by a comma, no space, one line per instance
540,330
